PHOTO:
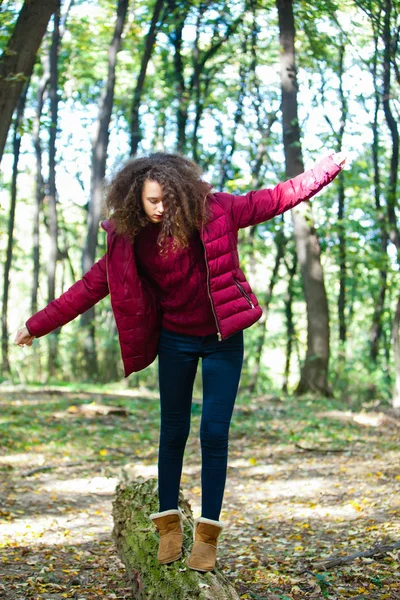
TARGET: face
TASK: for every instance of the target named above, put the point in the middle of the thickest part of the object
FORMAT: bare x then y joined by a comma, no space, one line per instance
152,197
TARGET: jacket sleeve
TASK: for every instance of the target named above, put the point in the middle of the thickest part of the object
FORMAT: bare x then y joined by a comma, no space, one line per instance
259,206
81,296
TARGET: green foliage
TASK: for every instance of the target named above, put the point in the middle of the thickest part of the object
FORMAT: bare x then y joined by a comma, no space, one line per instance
242,74
9,11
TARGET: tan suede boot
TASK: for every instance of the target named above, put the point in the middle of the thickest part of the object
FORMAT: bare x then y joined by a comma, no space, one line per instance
170,527
204,551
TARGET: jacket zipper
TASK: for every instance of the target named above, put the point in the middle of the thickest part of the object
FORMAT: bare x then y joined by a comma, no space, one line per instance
241,288
208,285
108,281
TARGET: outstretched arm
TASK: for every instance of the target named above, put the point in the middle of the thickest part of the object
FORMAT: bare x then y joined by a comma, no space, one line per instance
81,296
261,205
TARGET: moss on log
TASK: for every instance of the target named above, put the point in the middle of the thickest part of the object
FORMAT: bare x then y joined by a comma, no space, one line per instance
136,540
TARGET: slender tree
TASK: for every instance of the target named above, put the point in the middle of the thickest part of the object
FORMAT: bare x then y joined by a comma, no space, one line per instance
341,208
190,90
150,39
41,94
39,183
290,327
338,134
11,223
314,371
226,159
52,194
391,196
98,170
182,94
265,304
375,332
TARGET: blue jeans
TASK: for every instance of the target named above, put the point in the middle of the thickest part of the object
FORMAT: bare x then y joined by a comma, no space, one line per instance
178,357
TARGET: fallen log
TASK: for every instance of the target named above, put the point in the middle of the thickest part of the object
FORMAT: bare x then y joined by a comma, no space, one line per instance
136,541
94,409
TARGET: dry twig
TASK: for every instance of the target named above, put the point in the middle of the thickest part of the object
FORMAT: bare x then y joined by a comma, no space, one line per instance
375,551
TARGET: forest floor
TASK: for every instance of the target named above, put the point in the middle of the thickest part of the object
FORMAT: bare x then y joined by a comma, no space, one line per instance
309,479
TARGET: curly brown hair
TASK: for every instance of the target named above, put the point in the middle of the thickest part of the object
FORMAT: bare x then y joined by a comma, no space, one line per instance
184,194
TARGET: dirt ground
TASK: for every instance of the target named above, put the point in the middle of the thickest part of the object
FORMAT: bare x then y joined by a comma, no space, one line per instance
308,480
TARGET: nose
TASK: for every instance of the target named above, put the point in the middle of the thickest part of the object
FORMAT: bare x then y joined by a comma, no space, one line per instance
160,209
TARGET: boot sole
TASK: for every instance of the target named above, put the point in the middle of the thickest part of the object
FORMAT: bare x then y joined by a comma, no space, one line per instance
201,570
170,560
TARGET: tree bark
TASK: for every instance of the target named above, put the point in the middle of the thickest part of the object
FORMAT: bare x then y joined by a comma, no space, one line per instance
314,372
10,237
52,195
98,170
100,142
375,332
17,60
264,127
391,196
136,134
39,184
183,101
208,77
192,90
290,329
341,212
137,540
280,249
394,233
226,159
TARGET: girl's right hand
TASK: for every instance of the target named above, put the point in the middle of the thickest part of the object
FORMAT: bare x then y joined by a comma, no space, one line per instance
24,337
340,158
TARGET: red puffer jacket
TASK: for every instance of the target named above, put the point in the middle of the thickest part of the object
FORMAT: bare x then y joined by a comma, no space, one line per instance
133,300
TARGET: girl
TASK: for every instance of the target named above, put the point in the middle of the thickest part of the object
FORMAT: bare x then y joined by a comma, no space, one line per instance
177,291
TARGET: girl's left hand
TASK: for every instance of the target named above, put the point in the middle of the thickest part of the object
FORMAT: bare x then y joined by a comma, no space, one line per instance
339,158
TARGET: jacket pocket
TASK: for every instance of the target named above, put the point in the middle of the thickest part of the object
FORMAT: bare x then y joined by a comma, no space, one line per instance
242,291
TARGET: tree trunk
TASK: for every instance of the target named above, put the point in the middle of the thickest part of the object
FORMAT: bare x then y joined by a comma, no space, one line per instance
280,248
98,170
314,371
52,196
394,233
137,540
264,127
39,185
16,62
195,84
208,77
11,223
110,365
375,332
290,330
226,159
341,214
391,196
136,134
100,142
183,101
